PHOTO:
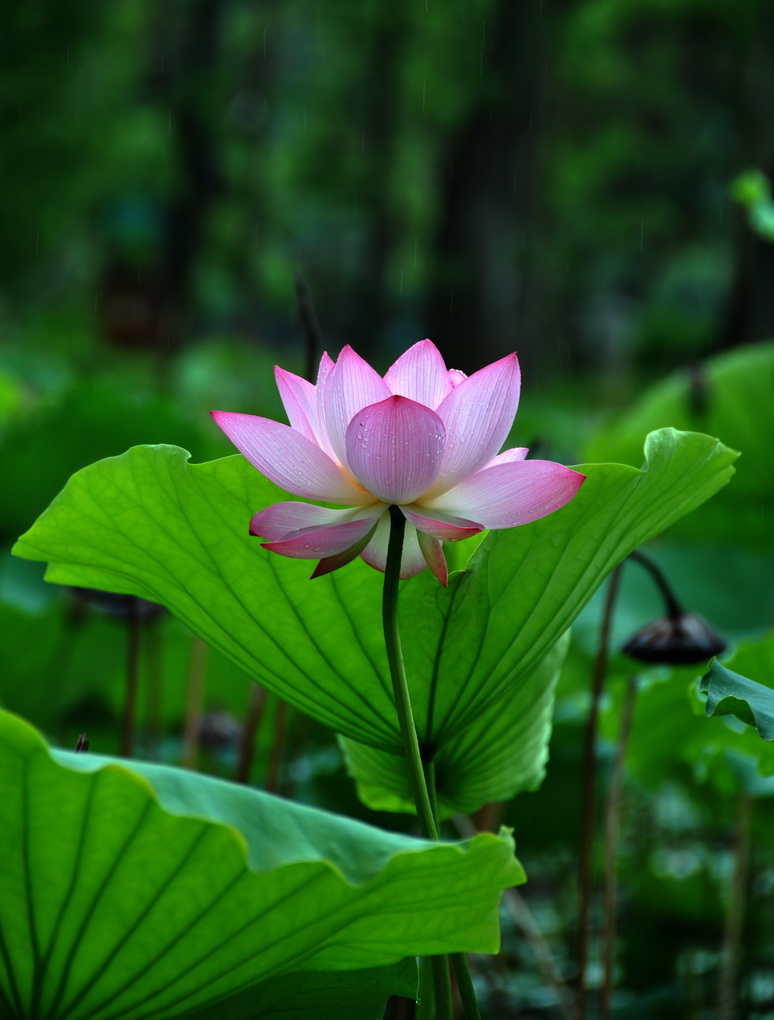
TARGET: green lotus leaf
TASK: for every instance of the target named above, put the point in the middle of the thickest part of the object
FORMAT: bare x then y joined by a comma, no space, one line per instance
502,753
151,524
131,891
729,396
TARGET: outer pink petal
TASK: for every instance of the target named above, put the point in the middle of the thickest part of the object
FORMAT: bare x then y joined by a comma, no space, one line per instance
420,374
432,550
350,386
289,459
444,526
394,448
330,563
478,415
509,494
325,369
375,553
286,520
299,398
312,544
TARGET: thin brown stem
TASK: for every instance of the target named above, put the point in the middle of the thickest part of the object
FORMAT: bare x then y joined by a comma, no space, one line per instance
612,829
674,609
589,783
525,921
275,760
250,732
154,673
734,927
194,698
132,678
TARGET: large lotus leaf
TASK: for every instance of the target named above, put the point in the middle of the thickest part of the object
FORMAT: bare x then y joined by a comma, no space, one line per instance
730,395
524,587
151,524
140,891
501,754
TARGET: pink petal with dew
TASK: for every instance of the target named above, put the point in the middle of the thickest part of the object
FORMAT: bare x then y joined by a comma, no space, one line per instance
299,398
509,494
444,526
456,377
375,553
394,448
350,386
314,543
517,453
289,459
478,415
286,520
324,370
420,374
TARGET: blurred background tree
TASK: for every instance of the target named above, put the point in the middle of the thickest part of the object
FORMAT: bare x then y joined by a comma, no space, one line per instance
546,176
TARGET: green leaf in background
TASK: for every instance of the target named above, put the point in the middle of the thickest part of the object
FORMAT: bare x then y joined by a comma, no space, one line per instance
671,736
728,693
151,524
80,670
91,420
138,891
502,753
730,395
752,189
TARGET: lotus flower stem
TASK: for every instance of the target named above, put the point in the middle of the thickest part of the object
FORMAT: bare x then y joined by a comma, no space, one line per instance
419,772
400,689
427,818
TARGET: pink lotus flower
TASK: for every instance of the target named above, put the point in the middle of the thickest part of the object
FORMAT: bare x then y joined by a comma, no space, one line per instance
423,438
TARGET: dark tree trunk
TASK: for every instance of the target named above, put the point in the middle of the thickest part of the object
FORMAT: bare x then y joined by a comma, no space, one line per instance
487,297
750,309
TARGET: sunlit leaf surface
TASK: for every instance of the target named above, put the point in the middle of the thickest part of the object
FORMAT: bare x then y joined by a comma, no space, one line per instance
151,524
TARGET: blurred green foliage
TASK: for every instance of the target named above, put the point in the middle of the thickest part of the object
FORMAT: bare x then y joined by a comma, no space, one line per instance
753,191
552,177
